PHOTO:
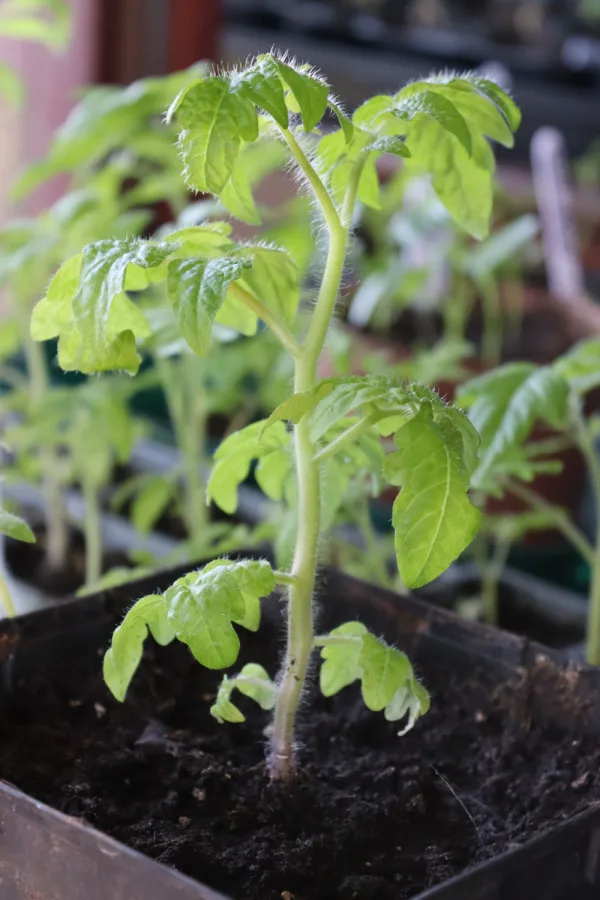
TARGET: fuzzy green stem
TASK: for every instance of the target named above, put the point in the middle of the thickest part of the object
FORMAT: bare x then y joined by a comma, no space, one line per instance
586,443
556,515
6,600
300,597
93,533
456,310
57,531
491,350
284,578
178,383
281,331
490,578
346,437
194,449
329,640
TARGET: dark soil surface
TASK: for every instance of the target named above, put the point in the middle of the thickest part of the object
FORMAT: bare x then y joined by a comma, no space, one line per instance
28,563
371,815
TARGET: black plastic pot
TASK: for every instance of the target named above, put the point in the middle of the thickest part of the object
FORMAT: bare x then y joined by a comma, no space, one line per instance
52,857
530,606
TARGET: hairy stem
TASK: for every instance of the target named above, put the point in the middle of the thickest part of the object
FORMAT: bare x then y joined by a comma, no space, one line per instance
586,443
491,350
557,516
490,577
93,533
456,309
5,599
57,530
279,329
346,437
300,596
178,383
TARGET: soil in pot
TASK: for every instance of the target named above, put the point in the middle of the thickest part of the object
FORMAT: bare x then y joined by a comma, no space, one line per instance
28,563
371,815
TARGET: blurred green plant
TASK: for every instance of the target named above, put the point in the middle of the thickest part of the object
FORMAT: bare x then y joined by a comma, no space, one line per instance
45,22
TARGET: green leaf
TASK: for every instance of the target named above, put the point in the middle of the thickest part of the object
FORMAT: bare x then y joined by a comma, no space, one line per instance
223,710
237,197
384,669
10,337
341,662
298,405
345,123
203,606
125,653
503,101
461,183
310,92
233,457
386,396
501,247
432,516
392,144
52,315
506,405
429,105
411,699
264,696
247,683
272,472
41,21
388,681
197,288
213,120
272,276
15,528
580,366
104,267
262,85
151,502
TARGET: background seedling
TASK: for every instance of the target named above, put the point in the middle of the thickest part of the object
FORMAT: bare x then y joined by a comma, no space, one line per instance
505,405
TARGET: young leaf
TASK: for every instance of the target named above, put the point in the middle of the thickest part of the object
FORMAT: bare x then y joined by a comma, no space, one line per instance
223,710
309,91
104,267
413,700
234,456
345,123
388,681
432,517
383,670
125,653
341,662
272,276
213,120
261,84
580,367
198,288
16,528
151,502
203,606
252,681
427,104
511,400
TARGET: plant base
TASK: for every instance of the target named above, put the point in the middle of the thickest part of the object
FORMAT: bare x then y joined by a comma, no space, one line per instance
370,815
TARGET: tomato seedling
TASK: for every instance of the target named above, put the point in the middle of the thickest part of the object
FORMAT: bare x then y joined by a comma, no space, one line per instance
505,405
438,126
